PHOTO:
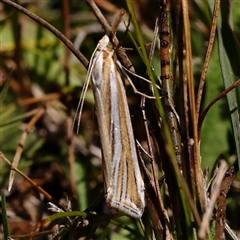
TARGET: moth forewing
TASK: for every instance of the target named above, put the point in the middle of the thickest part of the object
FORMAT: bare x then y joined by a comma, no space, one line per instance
124,185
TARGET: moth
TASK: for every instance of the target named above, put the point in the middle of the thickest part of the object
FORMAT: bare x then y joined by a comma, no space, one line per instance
124,185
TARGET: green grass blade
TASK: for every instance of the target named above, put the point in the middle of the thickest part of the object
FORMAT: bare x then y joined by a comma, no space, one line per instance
227,69
180,181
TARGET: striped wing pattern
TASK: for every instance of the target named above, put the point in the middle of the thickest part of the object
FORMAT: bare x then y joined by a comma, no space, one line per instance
124,185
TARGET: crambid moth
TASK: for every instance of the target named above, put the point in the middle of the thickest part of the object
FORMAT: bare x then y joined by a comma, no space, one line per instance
124,185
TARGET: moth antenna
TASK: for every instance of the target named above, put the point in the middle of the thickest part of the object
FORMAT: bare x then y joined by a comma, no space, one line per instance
85,87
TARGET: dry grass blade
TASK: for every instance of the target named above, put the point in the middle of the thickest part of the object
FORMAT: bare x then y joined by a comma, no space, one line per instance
46,195
36,135
222,201
214,195
208,54
22,141
200,182
156,201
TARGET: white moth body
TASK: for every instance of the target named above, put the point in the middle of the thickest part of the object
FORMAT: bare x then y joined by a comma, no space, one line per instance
123,181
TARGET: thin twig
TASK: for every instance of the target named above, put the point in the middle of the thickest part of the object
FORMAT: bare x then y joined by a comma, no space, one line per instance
108,29
168,83
52,29
204,113
38,188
